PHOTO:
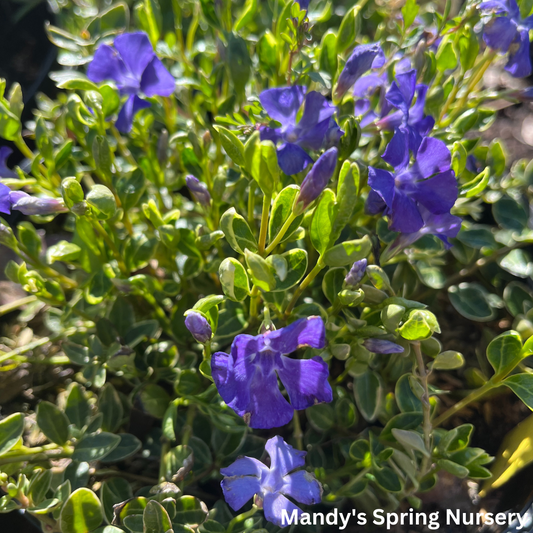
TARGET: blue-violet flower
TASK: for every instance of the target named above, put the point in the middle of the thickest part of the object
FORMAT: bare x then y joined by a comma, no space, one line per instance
382,346
199,190
248,477
133,65
28,205
429,182
6,172
246,378
356,273
199,327
312,132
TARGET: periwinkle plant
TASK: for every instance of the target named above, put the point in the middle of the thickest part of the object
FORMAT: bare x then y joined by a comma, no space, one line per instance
260,214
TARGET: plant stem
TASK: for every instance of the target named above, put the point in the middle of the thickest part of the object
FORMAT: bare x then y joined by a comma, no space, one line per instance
426,407
298,292
254,301
473,396
333,496
267,199
12,306
281,234
241,518
297,433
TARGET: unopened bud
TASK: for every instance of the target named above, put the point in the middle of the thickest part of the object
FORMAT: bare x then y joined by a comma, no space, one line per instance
354,277
35,205
198,190
199,327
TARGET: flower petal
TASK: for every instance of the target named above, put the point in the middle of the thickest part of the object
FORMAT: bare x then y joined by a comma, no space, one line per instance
313,138
382,183
5,200
432,157
499,33
306,381
368,84
374,204
135,50
437,194
238,490
402,91
382,346
303,487
316,110
404,214
318,177
304,332
270,134
292,159
157,80
283,457
397,152
282,103
519,64
107,65
245,466
273,506
128,111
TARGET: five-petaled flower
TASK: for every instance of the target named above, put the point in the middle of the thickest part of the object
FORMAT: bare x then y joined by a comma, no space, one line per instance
429,183
247,378
133,65
248,477
313,131
412,117
508,32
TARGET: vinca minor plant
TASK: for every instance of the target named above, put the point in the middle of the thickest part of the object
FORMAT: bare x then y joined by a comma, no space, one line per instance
242,226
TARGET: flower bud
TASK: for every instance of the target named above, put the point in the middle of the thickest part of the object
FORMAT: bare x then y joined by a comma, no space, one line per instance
382,346
198,190
199,327
351,298
354,277
34,205
316,180
358,63
5,199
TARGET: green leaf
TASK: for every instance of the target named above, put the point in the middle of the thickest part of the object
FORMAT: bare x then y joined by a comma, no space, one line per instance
237,232
518,263
102,156
154,399
77,407
234,279
52,422
239,63
113,491
232,145
387,479
448,360
130,189
321,417
522,386
367,392
246,15
477,185
63,251
347,189
103,201
155,518
11,429
323,220
410,440
328,53
9,124
348,252
81,513
128,445
348,30
446,56
110,406
190,511
73,80
468,48
280,212
288,268
265,169
504,352
405,397
453,468
510,214
401,421
471,301
409,12
95,446
517,297
419,325
261,272
332,283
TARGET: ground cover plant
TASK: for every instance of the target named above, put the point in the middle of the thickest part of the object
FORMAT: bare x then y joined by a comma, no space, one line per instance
245,226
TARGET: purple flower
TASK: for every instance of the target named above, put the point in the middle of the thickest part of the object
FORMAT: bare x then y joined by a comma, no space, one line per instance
317,179
443,226
248,477
354,277
199,327
382,346
5,172
198,190
429,182
412,117
136,70
508,32
304,4
312,132
28,205
247,378
363,58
